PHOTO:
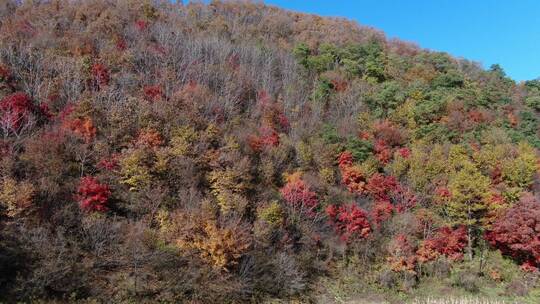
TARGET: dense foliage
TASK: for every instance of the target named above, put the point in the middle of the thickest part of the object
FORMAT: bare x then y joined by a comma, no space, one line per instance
235,152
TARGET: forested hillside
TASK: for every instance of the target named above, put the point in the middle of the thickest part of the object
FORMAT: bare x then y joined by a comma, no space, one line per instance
233,152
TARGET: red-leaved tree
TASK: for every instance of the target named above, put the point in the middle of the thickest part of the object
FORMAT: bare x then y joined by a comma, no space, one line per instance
349,221
299,196
447,241
351,175
517,232
92,195
380,187
15,111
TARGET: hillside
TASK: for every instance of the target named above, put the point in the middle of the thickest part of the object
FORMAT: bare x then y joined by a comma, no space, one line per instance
234,152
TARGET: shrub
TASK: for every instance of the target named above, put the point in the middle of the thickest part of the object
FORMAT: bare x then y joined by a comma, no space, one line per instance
402,254
447,241
92,195
349,221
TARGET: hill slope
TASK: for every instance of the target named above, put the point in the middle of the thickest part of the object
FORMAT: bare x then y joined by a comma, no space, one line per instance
236,152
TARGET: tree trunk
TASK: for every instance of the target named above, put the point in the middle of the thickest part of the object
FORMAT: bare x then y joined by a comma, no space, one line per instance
469,243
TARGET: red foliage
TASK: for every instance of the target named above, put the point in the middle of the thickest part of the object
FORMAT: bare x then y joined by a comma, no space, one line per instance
255,143
149,138
82,127
382,151
92,195
15,110
404,152
121,44
141,25
381,212
234,61
349,221
447,241
443,192
297,194
404,198
353,178
388,133
45,110
100,73
340,85
109,164
476,116
153,93
364,136
345,160
517,232
402,254
496,175
5,73
380,187
268,138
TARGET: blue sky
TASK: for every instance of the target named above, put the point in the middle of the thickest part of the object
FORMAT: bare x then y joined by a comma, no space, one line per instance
496,31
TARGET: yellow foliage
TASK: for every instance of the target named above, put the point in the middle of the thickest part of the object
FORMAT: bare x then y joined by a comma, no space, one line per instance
272,214
457,157
370,166
182,140
292,177
15,196
520,171
426,165
399,166
327,175
490,156
469,195
220,245
305,154
135,171
228,186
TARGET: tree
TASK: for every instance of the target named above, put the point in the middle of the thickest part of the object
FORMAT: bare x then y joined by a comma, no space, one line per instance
446,241
93,195
468,202
517,232
349,221
299,196
15,113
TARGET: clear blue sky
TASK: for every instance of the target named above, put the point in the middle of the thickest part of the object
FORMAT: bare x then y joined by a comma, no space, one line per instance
495,31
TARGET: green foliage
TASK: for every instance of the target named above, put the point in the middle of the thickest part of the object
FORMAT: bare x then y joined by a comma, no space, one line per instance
527,129
329,134
390,96
322,90
360,149
426,111
533,102
450,79
301,53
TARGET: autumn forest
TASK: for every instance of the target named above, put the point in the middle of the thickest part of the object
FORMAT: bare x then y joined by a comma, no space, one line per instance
233,152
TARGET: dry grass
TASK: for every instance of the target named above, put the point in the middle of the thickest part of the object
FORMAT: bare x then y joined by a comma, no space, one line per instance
460,301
